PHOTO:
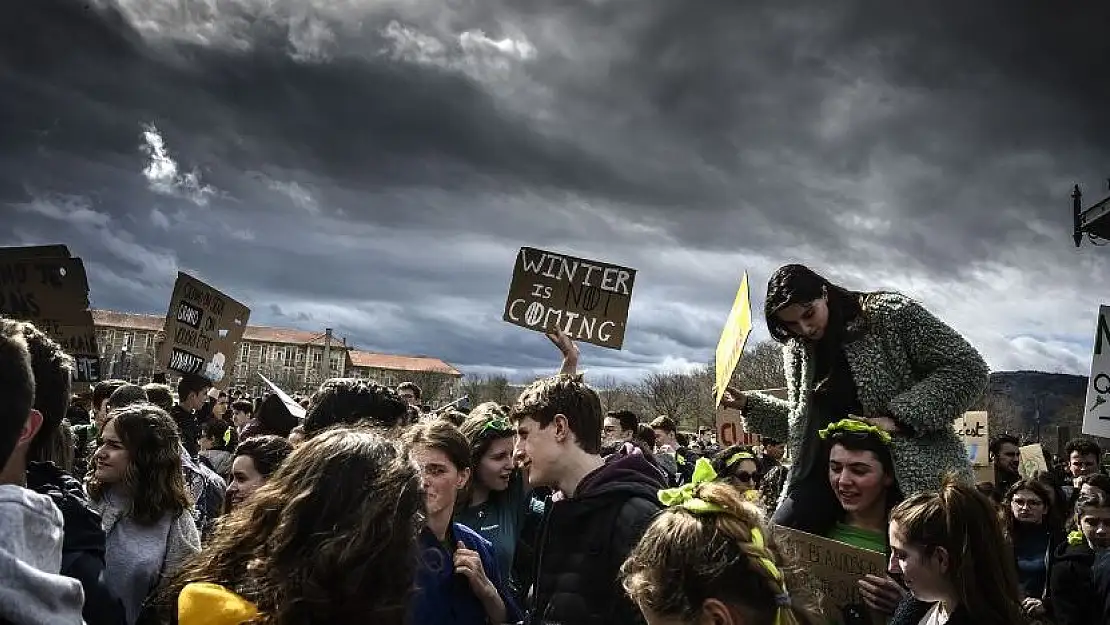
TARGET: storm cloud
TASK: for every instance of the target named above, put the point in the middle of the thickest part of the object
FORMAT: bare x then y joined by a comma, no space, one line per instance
373,165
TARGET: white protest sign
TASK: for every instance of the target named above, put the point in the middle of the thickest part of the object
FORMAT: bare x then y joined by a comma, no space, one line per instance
1096,411
295,409
1032,460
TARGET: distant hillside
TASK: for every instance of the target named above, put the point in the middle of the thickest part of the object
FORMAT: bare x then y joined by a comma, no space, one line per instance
1016,398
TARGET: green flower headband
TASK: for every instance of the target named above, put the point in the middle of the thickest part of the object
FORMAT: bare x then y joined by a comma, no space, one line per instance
855,426
496,424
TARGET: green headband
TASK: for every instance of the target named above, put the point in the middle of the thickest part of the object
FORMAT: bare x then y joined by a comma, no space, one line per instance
854,426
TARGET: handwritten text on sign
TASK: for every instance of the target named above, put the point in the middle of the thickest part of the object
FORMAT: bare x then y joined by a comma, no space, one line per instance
52,293
1096,411
972,429
203,328
833,570
587,299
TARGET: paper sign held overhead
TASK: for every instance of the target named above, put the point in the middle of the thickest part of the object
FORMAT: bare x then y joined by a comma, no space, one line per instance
203,330
832,571
735,334
295,409
45,286
1096,410
587,299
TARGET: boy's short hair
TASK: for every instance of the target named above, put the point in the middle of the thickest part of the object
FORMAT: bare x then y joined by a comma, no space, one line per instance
52,369
1085,447
160,395
665,423
191,383
17,391
566,395
627,418
346,401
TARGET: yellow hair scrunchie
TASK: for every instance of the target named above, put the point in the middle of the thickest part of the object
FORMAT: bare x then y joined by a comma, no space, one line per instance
683,496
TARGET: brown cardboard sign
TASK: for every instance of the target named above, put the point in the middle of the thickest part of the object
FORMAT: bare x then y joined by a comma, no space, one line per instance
587,299
203,330
832,571
52,292
730,430
974,429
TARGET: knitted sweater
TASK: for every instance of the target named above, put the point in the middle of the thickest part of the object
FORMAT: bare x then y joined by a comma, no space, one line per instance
907,364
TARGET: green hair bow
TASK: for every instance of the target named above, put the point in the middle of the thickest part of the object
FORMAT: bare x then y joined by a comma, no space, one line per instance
684,496
857,427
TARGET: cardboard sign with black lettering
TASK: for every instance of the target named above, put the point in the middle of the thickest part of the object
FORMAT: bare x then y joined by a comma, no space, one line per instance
587,299
203,330
45,286
832,571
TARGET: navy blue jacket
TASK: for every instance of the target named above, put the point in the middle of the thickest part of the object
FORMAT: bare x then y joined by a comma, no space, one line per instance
443,597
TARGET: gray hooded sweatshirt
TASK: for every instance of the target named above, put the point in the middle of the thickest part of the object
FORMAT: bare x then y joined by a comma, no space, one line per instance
30,557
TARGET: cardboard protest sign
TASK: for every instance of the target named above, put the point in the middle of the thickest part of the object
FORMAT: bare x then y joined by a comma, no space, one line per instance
730,429
1096,412
587,299
832,571
295,409
973,429
203,330
1032,460
731,344
45,286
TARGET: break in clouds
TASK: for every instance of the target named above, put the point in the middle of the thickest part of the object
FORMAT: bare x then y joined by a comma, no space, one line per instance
375,166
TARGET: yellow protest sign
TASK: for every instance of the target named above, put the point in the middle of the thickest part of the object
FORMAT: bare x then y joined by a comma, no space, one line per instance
733,337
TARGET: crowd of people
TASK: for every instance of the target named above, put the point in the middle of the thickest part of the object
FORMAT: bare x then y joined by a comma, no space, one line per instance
160,505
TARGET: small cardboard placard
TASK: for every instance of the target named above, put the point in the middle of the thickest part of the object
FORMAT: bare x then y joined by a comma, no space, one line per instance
1096,411
832,571
733,337
730,430
974,429
1032,460
587,299
203,330
45,286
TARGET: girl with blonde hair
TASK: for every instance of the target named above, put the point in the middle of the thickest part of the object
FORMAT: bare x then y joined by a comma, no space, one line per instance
709,558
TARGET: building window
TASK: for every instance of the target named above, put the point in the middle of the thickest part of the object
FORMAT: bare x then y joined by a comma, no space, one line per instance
263,351
244,352
128,341
300,356
150,341
316,356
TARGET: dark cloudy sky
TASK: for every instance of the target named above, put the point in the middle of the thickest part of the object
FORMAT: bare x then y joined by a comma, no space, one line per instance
373,165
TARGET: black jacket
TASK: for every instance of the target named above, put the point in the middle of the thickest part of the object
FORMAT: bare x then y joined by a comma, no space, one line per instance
585,539
83,543
189,428
1074,601
1100,579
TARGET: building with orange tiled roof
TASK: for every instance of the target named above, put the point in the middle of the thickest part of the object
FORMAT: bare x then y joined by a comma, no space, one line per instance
289,357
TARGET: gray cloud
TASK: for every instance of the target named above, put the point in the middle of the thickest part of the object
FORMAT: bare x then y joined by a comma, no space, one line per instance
373,166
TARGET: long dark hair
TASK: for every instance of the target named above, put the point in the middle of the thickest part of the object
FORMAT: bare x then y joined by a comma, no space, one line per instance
798,284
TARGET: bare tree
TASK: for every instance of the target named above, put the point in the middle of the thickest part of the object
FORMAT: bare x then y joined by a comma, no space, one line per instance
760,367
433,385
670,393
1005,416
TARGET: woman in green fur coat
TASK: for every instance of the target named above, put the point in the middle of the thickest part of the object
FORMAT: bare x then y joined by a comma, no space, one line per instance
877,356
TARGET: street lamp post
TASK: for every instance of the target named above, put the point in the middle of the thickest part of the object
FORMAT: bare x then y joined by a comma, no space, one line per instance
1093,222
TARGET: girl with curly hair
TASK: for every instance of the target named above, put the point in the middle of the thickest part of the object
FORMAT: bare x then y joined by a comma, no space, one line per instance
330,539
137,487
